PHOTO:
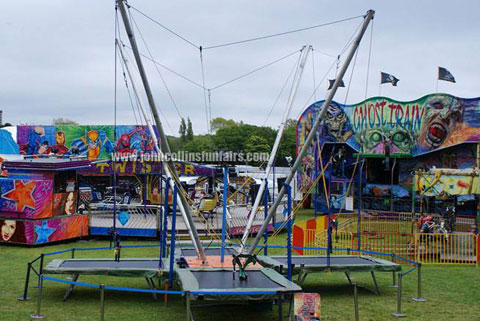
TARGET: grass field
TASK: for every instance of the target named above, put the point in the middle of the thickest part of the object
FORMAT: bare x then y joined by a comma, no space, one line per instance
453,293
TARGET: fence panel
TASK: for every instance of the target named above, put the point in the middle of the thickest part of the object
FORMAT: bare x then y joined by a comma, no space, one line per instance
439,248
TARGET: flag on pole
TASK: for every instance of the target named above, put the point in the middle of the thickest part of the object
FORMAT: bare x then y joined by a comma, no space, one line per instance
332,81
387,78
444,74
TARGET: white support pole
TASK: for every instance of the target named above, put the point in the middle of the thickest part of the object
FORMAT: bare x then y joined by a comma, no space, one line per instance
311,135
295,84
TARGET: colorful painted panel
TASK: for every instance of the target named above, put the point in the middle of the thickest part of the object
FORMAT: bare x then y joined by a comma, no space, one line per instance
307,307
25,198
94,142
382,125
43,231
415,127
446,182
458,157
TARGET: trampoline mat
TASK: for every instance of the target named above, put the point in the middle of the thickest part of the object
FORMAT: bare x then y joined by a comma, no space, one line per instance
224,280
322,260
110,264
357,263
148,267
208,252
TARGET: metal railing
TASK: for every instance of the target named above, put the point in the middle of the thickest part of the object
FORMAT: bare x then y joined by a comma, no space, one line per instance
139,216
453,248
237,218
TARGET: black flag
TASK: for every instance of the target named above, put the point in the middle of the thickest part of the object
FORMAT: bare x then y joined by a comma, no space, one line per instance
387,78
332,81
444,74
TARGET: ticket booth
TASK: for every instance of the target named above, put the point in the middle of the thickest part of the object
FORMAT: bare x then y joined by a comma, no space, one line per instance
39,199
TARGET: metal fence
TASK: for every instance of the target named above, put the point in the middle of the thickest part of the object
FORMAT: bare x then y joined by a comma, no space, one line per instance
129,216
454,248
397,235
238,215
385,242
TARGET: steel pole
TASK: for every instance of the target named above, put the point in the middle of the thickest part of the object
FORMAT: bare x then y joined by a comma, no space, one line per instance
355,301
359,218
102,302
419,285
224,214
265,202
25,297
164,146
172,241
37,314
399,313
311,135
296,83
289,232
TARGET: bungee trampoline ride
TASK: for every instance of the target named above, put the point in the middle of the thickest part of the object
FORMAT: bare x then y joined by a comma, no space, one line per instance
222,271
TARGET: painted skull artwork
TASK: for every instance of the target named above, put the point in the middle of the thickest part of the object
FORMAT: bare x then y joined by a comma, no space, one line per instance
377,141
336,127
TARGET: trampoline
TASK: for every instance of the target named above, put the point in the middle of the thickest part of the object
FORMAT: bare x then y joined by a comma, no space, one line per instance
302,265
220,282
147,268
211,284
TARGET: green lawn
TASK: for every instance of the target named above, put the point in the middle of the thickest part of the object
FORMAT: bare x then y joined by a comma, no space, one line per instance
453,293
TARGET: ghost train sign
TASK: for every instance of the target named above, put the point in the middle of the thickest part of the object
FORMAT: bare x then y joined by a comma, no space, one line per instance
382,114
413,127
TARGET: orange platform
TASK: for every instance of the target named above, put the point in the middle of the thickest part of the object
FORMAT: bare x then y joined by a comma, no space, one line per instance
214,262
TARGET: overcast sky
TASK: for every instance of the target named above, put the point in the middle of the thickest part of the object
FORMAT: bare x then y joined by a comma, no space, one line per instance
57,57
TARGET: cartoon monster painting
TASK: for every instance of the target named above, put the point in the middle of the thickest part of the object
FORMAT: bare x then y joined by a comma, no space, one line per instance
336,127
443,115
380,140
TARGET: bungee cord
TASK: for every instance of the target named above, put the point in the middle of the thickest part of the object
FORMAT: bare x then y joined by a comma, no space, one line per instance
156,67
256,70
282,33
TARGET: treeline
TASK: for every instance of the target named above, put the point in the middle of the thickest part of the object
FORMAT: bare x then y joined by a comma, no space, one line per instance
236,136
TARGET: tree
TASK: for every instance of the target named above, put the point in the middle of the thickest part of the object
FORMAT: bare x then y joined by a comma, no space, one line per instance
234,137
219,122
256,144
63,121
189,134
6,125
230,138
174,143
182,130
200,144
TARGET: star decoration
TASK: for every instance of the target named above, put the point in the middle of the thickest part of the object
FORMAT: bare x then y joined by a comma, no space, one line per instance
22,195
43,232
